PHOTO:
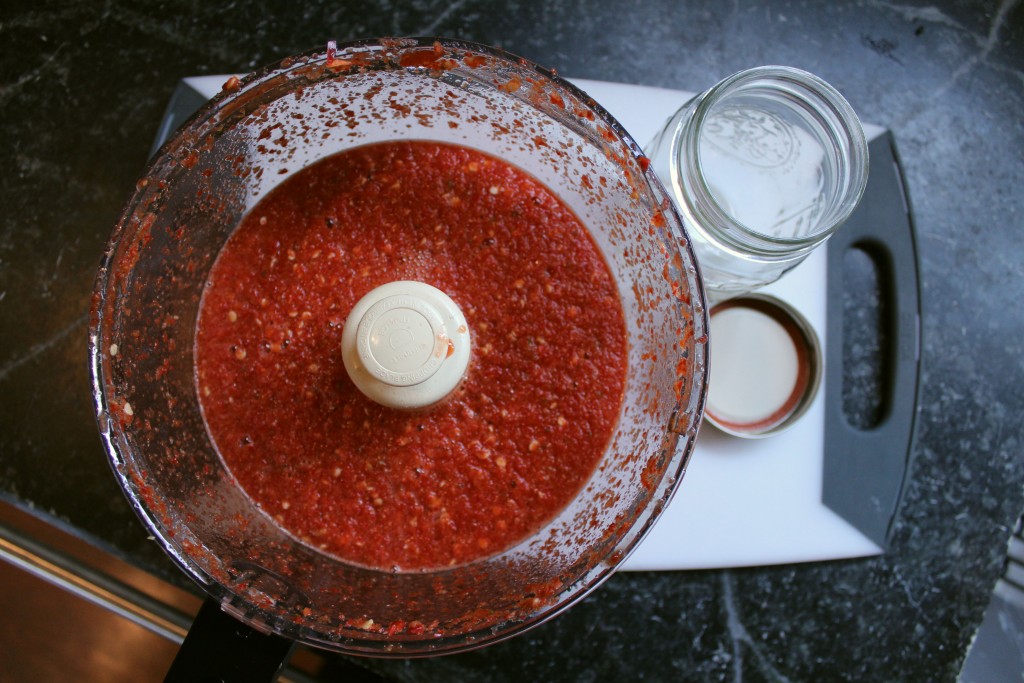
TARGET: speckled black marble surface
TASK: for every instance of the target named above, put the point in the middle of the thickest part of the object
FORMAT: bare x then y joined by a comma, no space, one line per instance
83,86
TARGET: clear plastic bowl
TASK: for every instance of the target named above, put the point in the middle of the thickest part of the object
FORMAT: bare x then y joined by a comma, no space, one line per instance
235,150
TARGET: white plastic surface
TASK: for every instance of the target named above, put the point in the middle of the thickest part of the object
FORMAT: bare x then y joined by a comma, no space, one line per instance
755,366
742,502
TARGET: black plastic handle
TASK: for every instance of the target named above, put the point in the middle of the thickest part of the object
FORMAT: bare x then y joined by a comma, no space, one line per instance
221,649
865,468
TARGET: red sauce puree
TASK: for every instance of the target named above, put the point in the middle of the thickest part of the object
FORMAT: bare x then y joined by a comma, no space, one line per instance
506,451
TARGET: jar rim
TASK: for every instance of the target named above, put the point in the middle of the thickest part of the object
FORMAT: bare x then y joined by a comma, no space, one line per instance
799,85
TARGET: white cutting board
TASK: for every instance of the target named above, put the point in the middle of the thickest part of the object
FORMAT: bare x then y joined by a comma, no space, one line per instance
743,502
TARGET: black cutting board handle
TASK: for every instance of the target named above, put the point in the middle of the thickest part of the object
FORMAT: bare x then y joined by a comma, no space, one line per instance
867,464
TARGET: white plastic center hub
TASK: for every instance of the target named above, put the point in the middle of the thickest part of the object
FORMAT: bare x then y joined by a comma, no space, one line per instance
406,345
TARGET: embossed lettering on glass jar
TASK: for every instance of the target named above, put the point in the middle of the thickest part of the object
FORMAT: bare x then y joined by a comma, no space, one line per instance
765,166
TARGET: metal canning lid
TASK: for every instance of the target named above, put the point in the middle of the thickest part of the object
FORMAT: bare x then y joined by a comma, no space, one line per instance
766,366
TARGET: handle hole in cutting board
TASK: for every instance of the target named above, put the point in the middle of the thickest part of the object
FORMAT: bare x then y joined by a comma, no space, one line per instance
867,335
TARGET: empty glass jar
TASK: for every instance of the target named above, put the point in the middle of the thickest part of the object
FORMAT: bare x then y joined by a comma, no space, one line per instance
764,166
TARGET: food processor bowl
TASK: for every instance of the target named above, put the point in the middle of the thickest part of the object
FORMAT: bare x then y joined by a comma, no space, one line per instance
258,131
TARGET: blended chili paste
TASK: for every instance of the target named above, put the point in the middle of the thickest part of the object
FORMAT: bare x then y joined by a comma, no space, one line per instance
506,451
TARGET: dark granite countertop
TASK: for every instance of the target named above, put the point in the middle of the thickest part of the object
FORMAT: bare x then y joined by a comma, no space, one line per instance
84,84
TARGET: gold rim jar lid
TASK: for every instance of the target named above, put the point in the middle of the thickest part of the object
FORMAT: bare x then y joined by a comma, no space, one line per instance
765,366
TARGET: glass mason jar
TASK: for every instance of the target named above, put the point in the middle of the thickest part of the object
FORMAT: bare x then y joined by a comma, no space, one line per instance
764,166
